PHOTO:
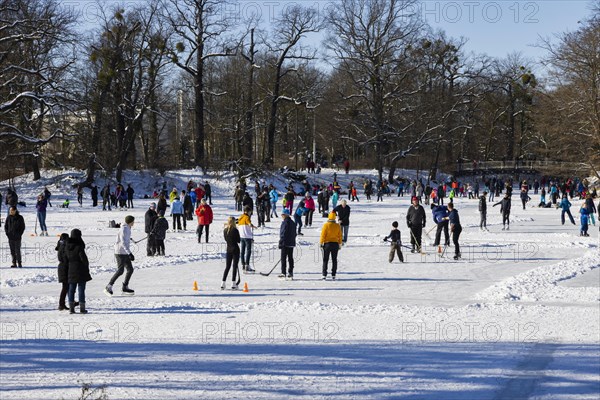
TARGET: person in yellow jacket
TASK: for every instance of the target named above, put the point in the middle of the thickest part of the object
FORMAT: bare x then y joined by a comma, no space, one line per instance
331,243
173,195
246,228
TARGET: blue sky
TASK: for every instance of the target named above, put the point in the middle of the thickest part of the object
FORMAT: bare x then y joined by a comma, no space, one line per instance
496,28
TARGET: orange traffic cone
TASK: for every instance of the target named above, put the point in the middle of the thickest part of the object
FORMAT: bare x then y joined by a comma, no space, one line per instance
245,288
195,286
440,249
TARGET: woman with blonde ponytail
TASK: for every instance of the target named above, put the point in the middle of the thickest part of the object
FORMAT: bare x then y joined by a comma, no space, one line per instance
232,237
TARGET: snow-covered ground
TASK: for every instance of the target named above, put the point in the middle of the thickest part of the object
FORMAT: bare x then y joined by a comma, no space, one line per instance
517,318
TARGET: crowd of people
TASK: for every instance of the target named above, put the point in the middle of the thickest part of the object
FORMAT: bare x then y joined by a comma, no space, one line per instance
297,211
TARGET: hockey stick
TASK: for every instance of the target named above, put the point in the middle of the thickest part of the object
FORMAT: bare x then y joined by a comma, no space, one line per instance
417,242
272,269
141,240
429,231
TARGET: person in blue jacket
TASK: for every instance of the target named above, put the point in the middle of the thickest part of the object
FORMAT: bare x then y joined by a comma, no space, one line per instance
584,219
177,213
300,210
439,215
565,205
273,198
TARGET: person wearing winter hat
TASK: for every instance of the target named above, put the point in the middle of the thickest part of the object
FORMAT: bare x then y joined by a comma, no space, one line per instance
331,243
343,214
287,242
149,220
124,257
415,220
78,270
159,231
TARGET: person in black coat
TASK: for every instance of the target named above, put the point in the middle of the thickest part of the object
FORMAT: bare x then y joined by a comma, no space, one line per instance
483,211
94,195
248,202
130,193
232,257
188,207
343,214
415,220
14,226
78,270
161,205
505,210
62,270
287,242
207,193
159,231
455,228
149,220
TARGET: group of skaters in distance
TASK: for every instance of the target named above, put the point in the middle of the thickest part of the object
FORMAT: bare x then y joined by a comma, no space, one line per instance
297,211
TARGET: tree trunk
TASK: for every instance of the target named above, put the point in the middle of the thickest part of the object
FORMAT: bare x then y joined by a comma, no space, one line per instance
35,167
248,126
273,119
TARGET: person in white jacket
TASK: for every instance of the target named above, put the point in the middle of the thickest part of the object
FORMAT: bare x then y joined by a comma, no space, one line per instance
124,257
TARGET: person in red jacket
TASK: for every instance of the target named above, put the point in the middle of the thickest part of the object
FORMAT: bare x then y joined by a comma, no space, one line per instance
199,194
205,218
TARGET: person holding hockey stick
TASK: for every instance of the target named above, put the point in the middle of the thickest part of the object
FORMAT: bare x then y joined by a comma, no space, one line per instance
439,213
124,257
455,228
287,242
331,243
396,247
505,210
415,220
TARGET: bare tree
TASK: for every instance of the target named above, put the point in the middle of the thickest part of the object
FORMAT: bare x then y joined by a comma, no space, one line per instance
200,28
575,73
370,39
286,51
34,61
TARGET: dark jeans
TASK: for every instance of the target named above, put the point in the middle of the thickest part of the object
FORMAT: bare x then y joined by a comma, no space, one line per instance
41,215
438,233
160,246
177,222
287,256
455,235
80,286
63,294
309,217
562,216
15,251
232,257
129,203
506,219
345,232
246,250
199,231
298,221
483,219
123,263
330,248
